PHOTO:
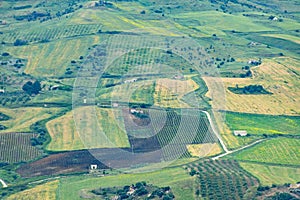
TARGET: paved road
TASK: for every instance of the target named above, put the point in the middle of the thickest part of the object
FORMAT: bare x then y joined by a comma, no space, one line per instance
3,183
215,132
244,147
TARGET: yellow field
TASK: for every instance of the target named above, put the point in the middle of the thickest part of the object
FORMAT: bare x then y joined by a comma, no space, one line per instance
277,76
269,175
45,192
168,92
204,150
65,136
61,51
23,118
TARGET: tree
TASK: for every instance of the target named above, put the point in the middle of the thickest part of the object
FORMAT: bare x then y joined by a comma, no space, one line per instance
32,88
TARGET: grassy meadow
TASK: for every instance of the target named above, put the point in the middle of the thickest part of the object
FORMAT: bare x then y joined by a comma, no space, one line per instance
263,124
282,151
268,174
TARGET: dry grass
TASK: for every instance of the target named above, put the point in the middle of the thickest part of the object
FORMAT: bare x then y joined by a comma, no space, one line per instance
168,92
278,76
204,150
46,192
95,132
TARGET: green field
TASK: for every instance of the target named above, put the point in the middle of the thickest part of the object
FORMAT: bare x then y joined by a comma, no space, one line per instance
177,178
263,124
150,53
39,61
283,151
268,174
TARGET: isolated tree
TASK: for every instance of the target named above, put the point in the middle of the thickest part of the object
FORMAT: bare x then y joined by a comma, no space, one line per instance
32,88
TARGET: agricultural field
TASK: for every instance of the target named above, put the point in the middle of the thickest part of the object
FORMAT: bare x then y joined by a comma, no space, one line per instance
282,151
204,150
155,68
39,63
221,180
181,183
65,136
22,118
16,147
46,191
278,76
268,174
263,124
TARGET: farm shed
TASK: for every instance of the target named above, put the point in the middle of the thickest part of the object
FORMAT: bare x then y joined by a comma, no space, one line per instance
240,133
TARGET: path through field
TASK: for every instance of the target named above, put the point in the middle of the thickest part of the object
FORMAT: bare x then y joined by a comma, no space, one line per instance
215,132
3,183
244,147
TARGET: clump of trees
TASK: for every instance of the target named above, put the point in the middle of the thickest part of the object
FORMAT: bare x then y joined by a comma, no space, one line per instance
250,89
140,190
32,88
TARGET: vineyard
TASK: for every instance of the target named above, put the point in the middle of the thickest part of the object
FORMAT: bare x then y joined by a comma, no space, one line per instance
277,151
169,129
221,180
16,147
49,34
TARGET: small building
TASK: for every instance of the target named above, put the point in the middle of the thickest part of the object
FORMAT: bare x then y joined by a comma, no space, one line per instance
115,105
2,91
240,133
130,81
93,167
84,101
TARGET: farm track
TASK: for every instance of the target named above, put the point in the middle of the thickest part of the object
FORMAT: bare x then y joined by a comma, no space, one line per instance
3,183
215,132
236,150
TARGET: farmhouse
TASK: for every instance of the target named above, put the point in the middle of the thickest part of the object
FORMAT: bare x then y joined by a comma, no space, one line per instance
136,111
93,167
130,81
240,133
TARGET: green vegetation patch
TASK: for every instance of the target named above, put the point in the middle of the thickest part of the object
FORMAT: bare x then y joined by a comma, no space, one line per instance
176,178
283,151
250,89
268,174
263,124
135,191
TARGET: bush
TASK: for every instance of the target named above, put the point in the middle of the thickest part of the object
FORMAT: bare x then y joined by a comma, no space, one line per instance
20,42
5,54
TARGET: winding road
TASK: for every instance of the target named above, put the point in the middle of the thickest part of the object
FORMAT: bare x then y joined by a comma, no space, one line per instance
3,183
222,142
215,131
